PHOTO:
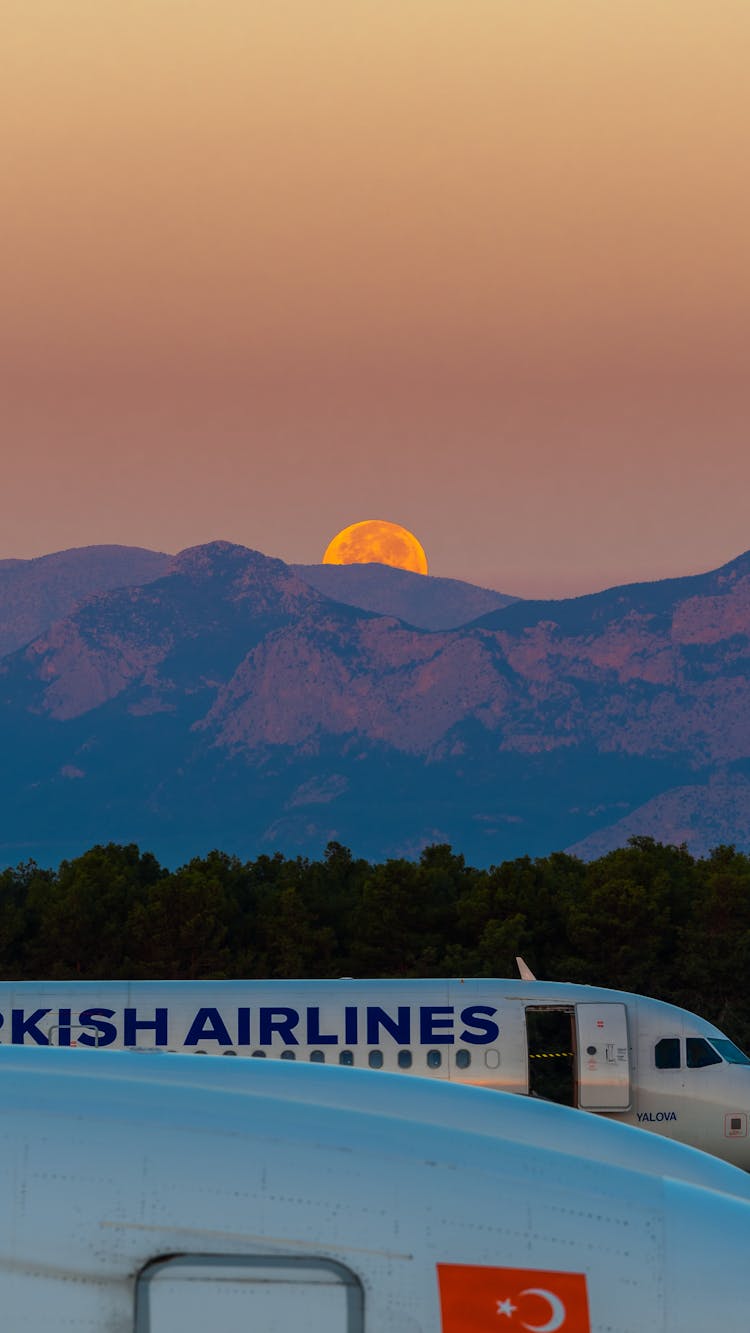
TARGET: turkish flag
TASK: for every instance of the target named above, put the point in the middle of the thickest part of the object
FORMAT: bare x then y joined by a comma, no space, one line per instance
475,1299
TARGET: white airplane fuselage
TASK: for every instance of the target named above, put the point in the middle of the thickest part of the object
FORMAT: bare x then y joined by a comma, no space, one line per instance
633,1059
149,1196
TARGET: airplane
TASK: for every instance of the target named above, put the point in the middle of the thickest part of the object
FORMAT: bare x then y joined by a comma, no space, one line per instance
146,1196
636,1060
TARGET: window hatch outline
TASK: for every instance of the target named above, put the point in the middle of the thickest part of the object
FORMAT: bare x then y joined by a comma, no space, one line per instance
355,1300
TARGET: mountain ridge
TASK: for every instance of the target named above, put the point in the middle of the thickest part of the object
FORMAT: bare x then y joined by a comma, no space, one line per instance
654,596
36,592
426,602
228,702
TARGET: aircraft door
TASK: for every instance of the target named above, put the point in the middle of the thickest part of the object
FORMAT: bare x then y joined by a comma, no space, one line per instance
603,1057
550,1043
233,1294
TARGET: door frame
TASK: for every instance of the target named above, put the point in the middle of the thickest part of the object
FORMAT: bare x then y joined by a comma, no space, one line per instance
565,1007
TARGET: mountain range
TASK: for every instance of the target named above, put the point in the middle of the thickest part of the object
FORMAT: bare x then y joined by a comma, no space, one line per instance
223,698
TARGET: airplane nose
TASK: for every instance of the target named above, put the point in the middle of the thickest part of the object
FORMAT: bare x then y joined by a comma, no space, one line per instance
707,1278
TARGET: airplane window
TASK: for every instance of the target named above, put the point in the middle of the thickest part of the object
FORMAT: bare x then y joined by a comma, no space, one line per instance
404,1059
288,1055
375,1059
700,1054
729,1052
667,1052
346,1058
463,1059
229,1052
259,1055
318,1057
434,1059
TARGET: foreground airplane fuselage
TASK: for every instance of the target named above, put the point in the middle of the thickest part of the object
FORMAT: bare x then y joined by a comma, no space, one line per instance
633,1059
150,1196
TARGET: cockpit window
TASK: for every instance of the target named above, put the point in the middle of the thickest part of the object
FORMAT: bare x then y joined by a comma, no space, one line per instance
667,1053
729,1052
700,1054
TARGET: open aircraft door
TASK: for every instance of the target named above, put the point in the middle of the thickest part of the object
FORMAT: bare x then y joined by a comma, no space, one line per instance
603,1057
234,1294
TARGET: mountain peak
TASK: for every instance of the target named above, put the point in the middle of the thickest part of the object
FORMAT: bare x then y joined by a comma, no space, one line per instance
222,557
240,573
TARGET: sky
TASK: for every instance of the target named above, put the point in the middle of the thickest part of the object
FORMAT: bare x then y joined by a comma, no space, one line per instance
478,267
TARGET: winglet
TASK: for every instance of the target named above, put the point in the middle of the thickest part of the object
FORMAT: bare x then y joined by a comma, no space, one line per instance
524,972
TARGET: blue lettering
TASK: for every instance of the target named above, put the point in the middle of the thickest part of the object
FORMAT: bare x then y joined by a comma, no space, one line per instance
63,1030
159,1025
22,1027
314,1035
398,1028
105,1033
243,1027
350,1026
208,1025
281,1021
430,1024
476,1024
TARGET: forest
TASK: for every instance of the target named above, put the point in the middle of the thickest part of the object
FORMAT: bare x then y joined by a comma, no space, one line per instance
649,918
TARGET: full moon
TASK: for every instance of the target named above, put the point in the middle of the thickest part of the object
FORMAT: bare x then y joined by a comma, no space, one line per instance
376,539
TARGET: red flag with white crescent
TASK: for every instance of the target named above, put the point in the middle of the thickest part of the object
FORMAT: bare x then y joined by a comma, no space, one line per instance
475,1299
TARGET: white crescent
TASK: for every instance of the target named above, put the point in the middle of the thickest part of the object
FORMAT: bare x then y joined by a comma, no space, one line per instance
557,1311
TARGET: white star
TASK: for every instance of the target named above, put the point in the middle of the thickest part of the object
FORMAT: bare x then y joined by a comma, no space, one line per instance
505,1307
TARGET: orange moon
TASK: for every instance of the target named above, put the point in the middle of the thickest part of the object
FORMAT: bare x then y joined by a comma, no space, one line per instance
376,539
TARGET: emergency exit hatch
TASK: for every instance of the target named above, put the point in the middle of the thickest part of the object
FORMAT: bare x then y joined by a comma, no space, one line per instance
242,1294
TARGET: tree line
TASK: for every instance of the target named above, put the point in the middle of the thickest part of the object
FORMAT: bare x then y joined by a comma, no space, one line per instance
649,918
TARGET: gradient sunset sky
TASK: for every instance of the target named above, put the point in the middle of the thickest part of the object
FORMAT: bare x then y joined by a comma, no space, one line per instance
480,267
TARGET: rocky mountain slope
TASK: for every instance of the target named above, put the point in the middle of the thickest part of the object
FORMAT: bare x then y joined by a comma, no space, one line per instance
229,703
34,593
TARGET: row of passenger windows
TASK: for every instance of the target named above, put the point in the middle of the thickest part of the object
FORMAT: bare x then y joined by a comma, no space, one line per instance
375,1059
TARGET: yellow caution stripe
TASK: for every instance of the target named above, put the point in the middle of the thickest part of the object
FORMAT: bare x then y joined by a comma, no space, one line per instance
550,1055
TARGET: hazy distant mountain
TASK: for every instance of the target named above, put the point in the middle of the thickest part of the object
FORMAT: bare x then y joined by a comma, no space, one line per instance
34,593
419,599
229,703
702,815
